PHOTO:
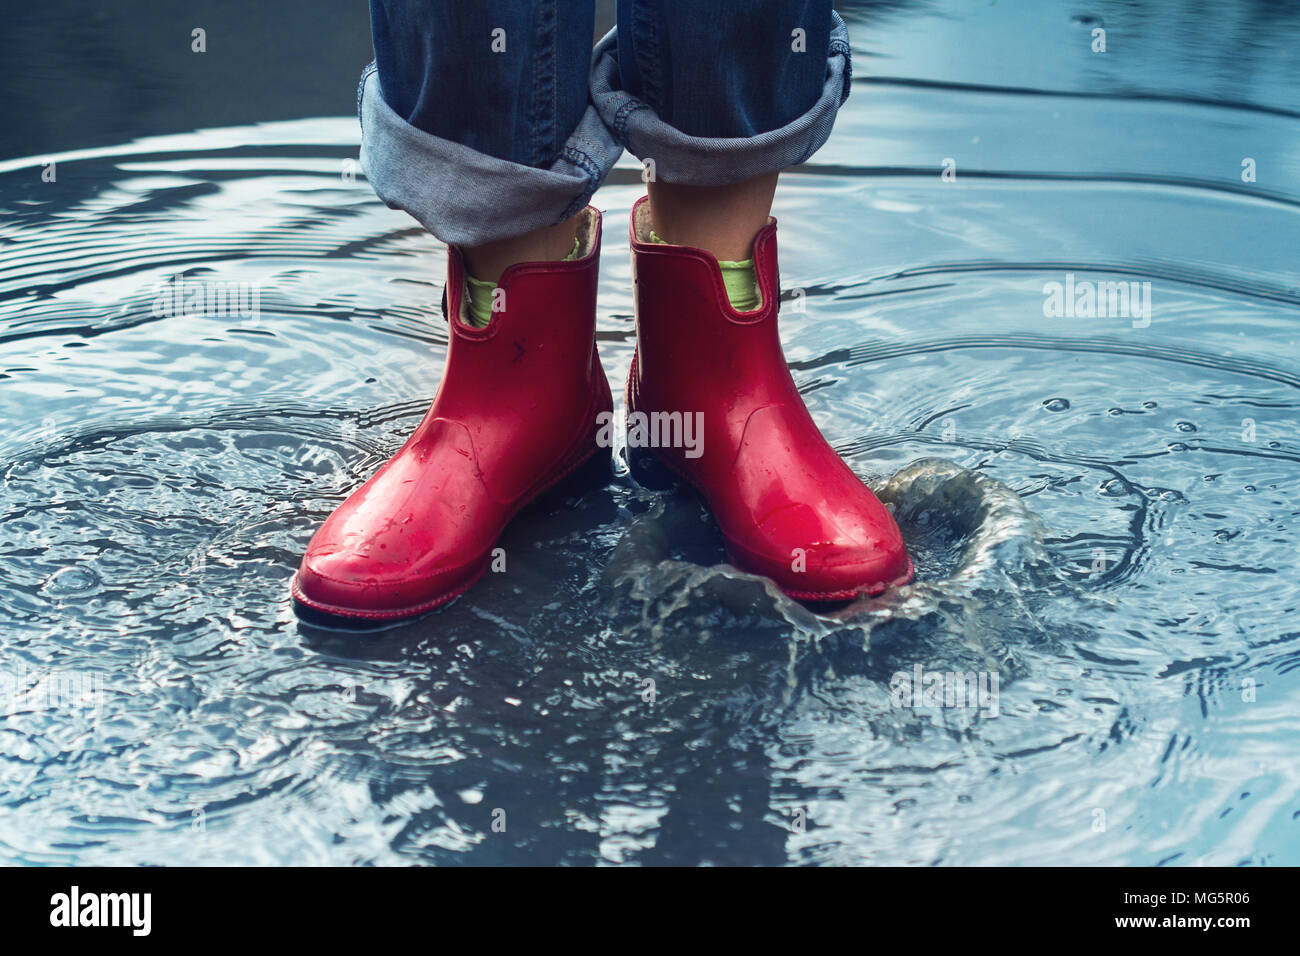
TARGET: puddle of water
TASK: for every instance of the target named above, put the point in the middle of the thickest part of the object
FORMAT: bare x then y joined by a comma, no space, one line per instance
1102,510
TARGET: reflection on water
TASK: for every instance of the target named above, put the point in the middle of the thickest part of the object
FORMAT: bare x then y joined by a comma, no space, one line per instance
1101,505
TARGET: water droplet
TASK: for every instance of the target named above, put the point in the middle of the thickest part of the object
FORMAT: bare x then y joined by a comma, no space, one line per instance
1177,446
1114,488
70,581
1185,427
1056,404
1150,405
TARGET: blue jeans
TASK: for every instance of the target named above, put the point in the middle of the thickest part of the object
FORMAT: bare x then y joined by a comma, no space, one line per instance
486,120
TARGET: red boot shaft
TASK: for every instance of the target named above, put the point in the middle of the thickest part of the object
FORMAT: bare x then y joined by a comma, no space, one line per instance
787,505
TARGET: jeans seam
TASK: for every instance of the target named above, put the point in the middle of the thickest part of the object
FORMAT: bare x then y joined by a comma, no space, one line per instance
592,170
544,80
582,160
553,145
648,59
842,48
621,117
361,90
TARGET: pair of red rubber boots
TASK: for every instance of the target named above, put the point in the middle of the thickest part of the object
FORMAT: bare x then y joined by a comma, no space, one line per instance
524,402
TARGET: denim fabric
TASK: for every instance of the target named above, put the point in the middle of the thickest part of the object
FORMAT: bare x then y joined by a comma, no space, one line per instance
467,197
723,70
487,120
514,94
715,159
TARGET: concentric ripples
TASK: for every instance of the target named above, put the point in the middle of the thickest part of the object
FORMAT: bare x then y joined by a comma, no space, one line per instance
1102,513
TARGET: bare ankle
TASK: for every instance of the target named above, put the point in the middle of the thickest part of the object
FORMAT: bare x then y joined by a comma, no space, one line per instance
720,219
548,244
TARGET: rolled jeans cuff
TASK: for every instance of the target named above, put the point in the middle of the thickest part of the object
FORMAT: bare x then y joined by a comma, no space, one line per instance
710,161
465,197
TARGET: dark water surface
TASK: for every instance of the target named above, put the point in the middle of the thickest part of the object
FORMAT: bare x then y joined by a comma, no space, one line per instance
1103,508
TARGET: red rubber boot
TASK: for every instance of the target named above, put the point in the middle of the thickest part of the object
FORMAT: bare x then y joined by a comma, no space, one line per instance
516,412
788,506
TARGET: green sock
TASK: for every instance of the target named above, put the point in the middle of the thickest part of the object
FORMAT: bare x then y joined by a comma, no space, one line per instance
739,279
479,307
479,293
